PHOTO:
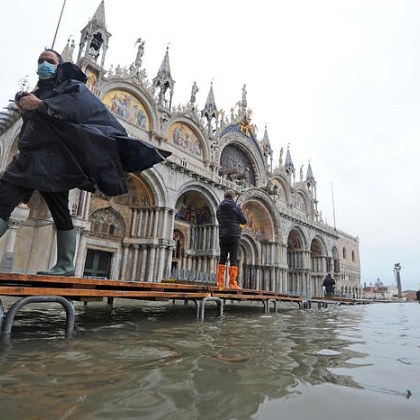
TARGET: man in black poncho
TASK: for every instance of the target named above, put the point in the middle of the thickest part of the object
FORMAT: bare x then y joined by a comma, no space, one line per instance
329,284
68,140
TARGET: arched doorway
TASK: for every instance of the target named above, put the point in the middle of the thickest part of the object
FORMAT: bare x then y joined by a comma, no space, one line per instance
259,248
195,237
318,266
295,261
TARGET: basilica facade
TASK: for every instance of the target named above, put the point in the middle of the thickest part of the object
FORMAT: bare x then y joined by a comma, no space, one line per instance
166,227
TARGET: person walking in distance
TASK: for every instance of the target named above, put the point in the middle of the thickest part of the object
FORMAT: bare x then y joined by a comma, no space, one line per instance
329,284
230,217
68,139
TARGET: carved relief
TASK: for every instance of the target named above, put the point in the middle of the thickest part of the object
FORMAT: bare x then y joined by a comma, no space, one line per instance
299,202
107,223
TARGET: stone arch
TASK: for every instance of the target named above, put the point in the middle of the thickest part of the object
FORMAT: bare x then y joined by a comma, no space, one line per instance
296,239
153,178
235,164
248,260
300,201
319,263
207,193
264,200
296,246
318,255
194,207
237,149
195,222
260,224
139,193
107,223
281,189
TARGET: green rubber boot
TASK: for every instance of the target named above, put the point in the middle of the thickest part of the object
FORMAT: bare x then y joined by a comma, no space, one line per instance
66,248
3,227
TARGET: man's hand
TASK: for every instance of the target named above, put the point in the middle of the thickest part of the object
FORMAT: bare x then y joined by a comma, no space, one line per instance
29,102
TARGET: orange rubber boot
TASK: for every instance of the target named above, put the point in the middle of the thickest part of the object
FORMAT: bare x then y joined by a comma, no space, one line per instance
221,276
233,274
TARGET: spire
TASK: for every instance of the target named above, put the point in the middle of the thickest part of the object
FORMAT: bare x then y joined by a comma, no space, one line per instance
266,140
164,81
267,151
310,179
288,164
99,16
311,185
210,111
165,68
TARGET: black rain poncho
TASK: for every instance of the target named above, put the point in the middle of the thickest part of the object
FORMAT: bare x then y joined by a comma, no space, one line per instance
74,141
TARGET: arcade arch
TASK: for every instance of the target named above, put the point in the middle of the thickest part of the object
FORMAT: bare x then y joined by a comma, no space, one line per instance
318,264
236,164
195,234
296,245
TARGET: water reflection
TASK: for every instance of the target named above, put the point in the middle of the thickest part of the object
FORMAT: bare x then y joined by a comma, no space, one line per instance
155,361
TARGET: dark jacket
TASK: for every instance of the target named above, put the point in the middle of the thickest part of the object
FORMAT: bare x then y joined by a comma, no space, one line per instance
73,140
329,284
230,216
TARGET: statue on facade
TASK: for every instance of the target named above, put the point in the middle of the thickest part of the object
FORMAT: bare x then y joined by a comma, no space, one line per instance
194,91
281,158
140,52
244,92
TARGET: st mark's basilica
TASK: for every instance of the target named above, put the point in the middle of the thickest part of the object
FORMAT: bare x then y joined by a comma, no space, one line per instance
165,227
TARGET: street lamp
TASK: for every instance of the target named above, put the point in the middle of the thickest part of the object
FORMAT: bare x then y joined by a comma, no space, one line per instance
397,269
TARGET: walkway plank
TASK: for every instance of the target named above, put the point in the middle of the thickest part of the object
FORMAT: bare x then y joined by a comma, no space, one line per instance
58,281
72,292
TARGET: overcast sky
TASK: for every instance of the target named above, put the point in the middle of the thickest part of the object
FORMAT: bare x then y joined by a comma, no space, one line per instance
337,80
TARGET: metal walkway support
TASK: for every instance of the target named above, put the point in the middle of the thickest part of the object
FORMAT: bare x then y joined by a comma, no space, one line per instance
266,304
219,303
11,313
306,304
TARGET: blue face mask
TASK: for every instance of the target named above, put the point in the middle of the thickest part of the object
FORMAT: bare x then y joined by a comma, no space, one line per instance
46,70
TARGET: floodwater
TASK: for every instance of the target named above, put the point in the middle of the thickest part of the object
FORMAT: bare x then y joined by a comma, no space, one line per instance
149,360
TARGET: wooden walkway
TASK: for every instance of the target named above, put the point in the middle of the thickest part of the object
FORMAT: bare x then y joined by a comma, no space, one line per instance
31,288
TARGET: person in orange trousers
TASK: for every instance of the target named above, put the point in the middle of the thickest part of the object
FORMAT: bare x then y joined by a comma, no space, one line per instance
230,217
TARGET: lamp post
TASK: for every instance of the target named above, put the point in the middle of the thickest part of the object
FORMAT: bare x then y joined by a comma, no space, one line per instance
397,269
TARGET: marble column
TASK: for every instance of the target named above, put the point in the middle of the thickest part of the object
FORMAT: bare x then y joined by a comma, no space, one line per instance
134,266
